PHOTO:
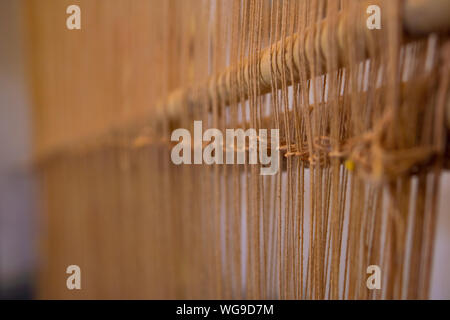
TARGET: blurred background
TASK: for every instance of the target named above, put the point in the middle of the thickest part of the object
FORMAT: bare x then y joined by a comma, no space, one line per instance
17,202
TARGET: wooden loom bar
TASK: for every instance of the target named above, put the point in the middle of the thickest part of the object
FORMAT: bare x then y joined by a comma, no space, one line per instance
420,17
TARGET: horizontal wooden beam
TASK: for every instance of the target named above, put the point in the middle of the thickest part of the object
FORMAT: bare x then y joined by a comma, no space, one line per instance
420,17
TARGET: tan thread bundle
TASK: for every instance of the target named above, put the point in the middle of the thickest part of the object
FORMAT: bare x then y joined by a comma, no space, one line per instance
362,129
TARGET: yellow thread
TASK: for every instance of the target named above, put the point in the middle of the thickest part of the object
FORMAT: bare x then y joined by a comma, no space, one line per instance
349,165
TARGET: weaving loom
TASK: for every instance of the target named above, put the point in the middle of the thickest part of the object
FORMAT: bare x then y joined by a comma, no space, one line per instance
363,116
